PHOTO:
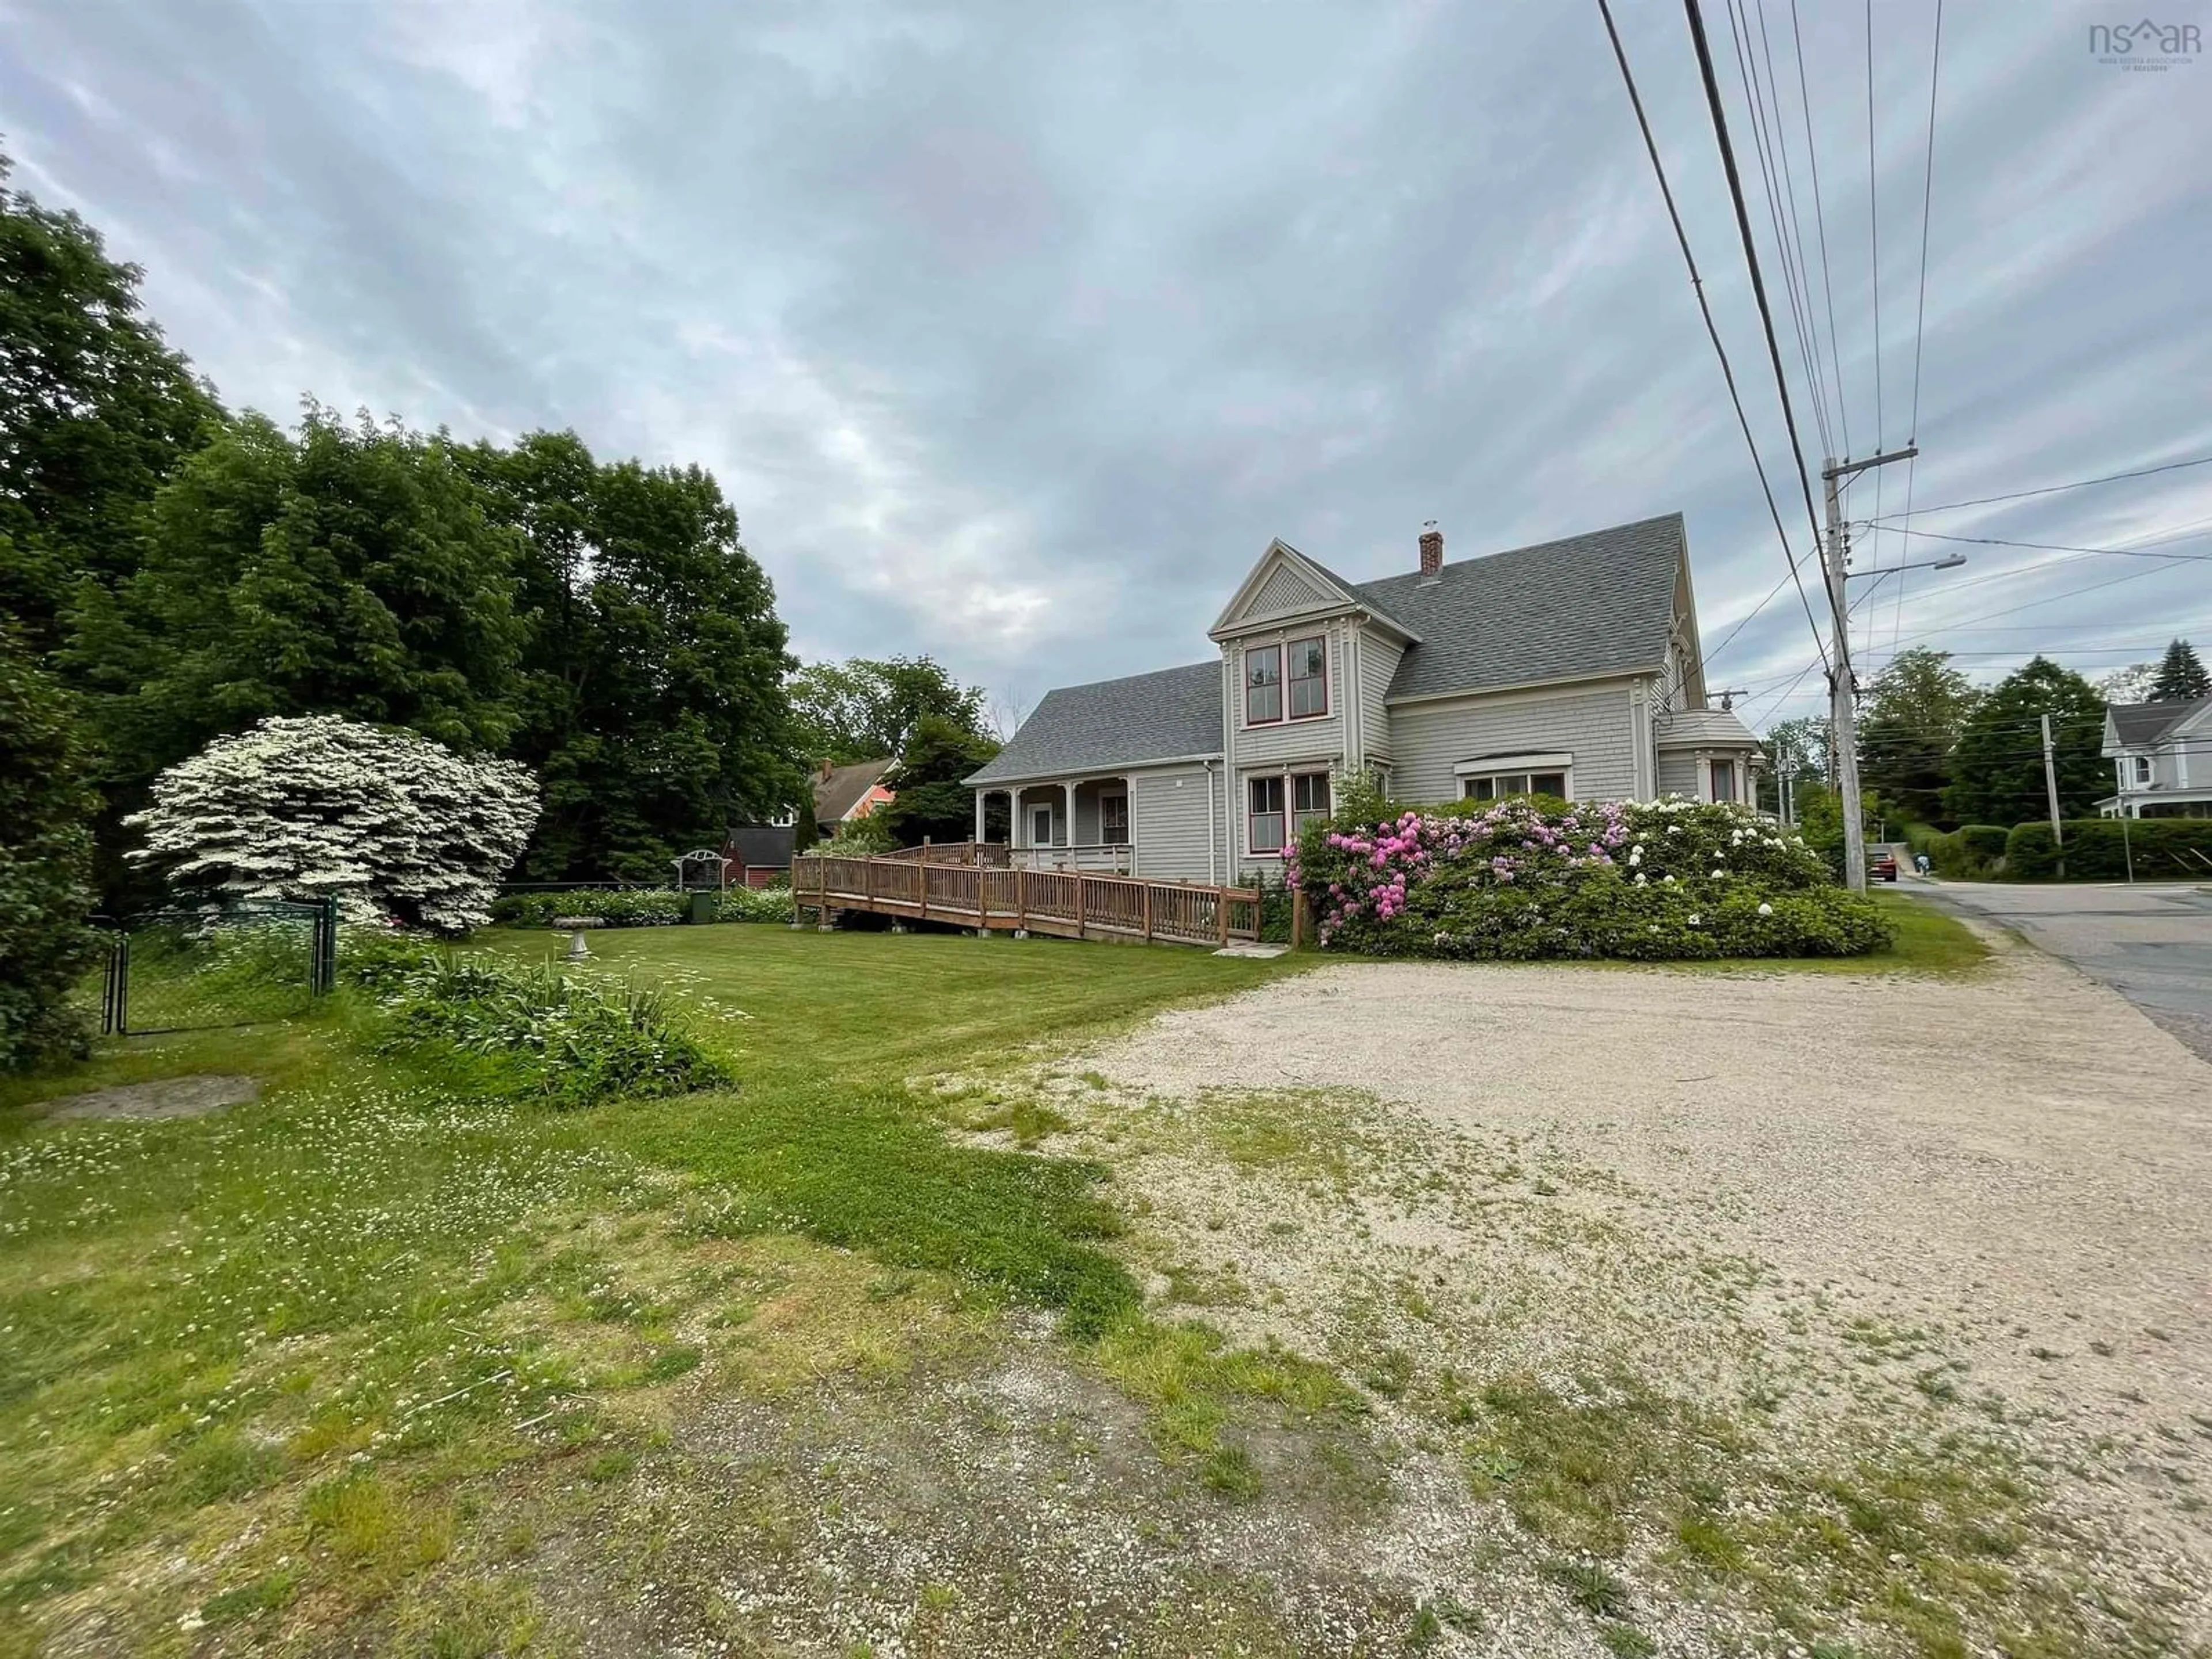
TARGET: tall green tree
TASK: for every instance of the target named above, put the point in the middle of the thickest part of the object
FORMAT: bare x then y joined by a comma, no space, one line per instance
865,709
45,861
932,802
653,693
2181,676
349,569
1916,710
1996,768
95,411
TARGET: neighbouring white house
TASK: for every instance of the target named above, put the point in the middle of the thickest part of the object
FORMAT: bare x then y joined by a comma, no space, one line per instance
1569,668
2161,756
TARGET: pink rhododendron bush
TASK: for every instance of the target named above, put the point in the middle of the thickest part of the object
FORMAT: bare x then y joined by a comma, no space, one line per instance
1522,879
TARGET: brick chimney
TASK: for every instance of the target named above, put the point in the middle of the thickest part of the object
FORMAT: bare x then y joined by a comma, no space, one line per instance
1432,549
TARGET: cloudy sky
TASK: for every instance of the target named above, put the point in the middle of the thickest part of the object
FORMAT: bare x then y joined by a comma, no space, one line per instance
1014,332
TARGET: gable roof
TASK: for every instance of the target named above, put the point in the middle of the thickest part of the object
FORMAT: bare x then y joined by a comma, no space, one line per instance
1597,604
1311,586
1164,715
845,787
2134,724
760,846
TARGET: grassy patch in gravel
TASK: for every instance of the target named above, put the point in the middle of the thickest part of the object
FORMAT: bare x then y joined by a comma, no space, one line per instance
1933,1547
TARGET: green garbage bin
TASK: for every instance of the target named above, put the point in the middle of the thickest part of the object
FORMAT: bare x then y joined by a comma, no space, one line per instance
703,906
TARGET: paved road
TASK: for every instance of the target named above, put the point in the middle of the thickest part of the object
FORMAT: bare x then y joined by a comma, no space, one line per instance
2153,943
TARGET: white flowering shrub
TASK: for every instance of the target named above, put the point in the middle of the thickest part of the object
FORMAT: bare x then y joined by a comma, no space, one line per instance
395,826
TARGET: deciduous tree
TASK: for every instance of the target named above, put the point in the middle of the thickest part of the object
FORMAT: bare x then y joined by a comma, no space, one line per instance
45,861
1918,707
1996,768
652,685
865,709
386,821
933,802
95,411
351,569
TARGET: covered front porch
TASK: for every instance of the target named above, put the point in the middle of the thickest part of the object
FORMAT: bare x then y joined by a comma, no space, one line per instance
1068,823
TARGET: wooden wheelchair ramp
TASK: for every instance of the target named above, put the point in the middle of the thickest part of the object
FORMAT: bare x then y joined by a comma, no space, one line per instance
964,886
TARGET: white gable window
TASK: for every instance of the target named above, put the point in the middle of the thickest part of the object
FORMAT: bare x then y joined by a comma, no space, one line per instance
2142,768
1263,684
1494,777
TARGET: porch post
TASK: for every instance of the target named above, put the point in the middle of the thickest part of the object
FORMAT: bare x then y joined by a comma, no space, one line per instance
979,815
1067,830
1129,822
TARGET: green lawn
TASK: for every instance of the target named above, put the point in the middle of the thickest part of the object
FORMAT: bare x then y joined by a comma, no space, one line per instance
320,1350
282,1343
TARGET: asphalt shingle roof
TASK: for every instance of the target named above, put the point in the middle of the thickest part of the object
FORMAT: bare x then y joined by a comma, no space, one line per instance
1587,605
1145,717
1597,603
2136,723
838,793
1698,728
760,846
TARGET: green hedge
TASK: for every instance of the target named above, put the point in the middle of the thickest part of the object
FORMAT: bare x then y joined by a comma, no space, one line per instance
618,906
1974,852
2096,851
639,907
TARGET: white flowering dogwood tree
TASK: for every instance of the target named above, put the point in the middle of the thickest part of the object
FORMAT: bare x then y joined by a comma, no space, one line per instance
391,824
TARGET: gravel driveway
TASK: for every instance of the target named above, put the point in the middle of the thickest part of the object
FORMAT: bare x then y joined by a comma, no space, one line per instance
1840,1213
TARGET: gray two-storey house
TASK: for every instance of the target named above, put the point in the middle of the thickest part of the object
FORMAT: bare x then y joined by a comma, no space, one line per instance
1569,668
2161,756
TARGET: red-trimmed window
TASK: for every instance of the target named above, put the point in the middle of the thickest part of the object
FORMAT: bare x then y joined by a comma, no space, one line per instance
1263,684
1308,678
1114,820
1309,799
1263,827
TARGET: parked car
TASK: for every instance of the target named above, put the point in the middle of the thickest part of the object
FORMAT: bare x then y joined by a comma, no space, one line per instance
1882,866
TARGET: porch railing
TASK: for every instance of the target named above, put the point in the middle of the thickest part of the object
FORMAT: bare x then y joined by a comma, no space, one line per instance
1069,903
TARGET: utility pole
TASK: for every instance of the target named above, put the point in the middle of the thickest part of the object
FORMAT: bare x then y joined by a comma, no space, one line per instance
2050,791
1843,688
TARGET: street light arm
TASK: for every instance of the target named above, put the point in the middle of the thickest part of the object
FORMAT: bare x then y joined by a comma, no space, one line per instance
1950,563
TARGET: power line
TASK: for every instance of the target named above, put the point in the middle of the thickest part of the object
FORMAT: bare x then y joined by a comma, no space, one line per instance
1744,622
2047,547
1697,284
1763,153
2053,489
1820,224
1831,386
1873,273
1751,258
1920,313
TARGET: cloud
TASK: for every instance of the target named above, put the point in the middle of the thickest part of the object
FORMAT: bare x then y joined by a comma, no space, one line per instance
1015,332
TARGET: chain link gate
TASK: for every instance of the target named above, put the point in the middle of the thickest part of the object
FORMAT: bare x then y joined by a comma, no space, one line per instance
202,969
